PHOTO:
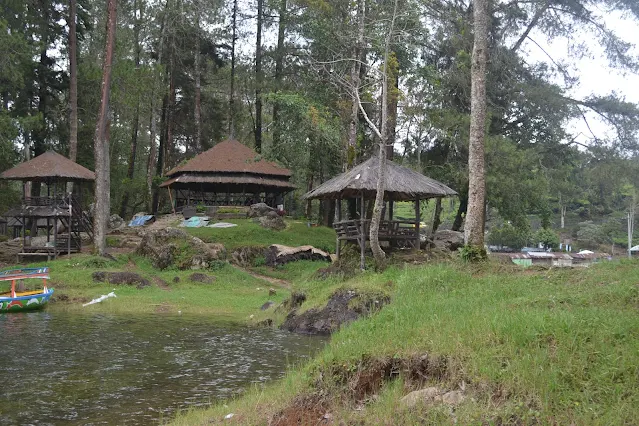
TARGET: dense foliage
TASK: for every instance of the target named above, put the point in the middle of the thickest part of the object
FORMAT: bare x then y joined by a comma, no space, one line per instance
189,67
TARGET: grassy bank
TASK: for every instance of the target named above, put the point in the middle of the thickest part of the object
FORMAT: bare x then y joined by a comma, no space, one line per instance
247,232
526,347
233,295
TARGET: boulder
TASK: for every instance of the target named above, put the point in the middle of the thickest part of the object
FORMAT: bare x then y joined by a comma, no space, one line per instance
115,222
126,278
431,396
338,311
267,305
276,223
278,254
260,209
423,396
448,240
201,278
173,247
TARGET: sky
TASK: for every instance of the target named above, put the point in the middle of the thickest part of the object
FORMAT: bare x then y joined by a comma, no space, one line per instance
595,76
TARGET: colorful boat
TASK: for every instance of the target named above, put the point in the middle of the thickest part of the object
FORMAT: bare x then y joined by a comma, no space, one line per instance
16,301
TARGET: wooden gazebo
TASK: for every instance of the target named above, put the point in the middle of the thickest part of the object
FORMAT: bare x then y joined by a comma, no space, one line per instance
59,213
360,183
228,174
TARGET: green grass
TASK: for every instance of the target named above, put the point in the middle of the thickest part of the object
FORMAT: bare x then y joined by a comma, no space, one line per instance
248,233
234,296
544,347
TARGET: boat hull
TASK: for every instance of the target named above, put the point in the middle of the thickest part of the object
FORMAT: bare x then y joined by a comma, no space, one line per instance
25,303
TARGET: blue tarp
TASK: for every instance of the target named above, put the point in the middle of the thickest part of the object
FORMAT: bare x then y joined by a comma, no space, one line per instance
140,220
195,222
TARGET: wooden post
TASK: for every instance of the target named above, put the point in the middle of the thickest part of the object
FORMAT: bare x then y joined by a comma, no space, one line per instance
168,188
13,288
338,248
417,220
362,235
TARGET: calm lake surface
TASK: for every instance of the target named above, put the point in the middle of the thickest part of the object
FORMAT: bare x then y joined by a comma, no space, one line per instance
60,368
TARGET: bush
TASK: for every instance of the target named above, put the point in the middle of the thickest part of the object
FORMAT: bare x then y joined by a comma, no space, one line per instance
470,253
548,238
509,235
3,238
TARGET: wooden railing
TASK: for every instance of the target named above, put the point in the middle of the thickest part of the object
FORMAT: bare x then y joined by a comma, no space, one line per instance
349,230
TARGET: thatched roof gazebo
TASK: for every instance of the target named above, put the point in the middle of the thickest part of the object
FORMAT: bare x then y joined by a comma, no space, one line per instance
56,211
360,183
49,167
230,173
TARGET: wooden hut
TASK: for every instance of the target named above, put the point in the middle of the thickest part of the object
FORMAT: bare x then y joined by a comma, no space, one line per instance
360,183
228,174
59,213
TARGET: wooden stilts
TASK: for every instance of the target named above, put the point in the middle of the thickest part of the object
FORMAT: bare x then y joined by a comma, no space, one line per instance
417,221
362,233
338,248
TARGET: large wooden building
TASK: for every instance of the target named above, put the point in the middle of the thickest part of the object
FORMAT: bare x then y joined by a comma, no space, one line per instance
228,174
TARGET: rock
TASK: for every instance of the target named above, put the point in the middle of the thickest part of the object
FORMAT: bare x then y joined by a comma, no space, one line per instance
245,256
338,311
278,254
176,279
127,278
452,397
272,292
171,246
260,209
448,240
297,299
267,305
276,223
201,278
432,395
115,222
265,323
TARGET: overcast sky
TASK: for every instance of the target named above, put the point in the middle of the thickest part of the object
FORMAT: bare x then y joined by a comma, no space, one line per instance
596,77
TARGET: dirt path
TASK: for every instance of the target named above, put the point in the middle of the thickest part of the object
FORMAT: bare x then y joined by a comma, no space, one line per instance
275,281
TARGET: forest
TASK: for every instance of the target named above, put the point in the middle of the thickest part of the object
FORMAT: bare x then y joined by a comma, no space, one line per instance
132,88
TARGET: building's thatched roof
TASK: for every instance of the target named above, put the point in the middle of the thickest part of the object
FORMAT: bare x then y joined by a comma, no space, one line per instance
185,179
49,166
230,156
402,184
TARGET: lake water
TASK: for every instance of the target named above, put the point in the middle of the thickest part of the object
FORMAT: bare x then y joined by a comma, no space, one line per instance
60,368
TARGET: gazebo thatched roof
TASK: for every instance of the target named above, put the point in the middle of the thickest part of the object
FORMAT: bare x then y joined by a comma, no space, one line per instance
49,166
230,156
402,184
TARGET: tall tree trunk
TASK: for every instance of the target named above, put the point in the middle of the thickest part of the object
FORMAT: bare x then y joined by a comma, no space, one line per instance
378,253
136,119
258,78
198,85
474,229
279,70
164,128
393,101
150,171
232,93
40,135
351,148
101,142
73,85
